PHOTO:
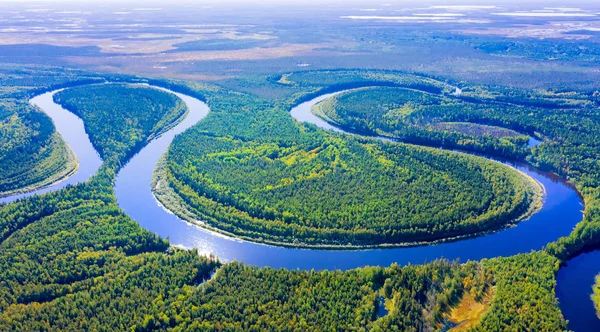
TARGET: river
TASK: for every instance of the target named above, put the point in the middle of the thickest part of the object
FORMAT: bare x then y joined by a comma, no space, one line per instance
561,210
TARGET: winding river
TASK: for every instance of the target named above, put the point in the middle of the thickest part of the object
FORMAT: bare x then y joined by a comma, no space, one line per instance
561,211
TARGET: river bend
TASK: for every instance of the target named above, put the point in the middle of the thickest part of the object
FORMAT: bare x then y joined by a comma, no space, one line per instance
560,213
72,130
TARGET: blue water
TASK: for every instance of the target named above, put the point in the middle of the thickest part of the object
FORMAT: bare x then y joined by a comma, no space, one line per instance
533,142
381,310
573,289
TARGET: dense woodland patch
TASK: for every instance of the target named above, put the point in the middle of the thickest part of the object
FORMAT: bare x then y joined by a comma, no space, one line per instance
568,120
299,186
423,118
327,189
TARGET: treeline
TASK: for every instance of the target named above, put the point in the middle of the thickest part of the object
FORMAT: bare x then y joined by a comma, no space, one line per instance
422,118
311,84
353,78
22,81
121,118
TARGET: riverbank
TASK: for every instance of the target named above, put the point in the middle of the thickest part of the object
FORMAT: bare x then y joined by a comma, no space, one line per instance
563,204
70,168
172,203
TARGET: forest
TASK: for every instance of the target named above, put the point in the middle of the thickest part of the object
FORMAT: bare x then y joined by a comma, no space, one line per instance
95,268
567,120
64,252
280,182
32,154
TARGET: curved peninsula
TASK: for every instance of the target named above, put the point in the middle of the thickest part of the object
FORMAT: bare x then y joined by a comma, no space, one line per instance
339,193
424,118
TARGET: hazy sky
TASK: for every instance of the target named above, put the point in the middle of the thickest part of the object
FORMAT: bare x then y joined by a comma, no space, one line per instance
381,6
566,3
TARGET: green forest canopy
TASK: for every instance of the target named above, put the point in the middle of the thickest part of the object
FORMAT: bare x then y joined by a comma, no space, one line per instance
422,118
329,189
260,175
95,268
